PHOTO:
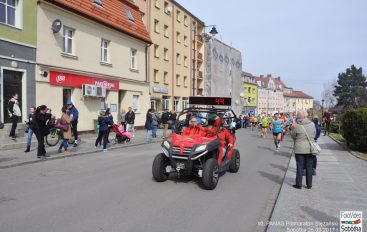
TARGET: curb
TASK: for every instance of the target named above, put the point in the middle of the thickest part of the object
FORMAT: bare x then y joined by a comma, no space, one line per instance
353,153
73,155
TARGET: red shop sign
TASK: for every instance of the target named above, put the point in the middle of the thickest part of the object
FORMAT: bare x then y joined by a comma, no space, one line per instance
74,80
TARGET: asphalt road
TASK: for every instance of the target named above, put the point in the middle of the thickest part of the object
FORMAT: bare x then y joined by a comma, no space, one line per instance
114,191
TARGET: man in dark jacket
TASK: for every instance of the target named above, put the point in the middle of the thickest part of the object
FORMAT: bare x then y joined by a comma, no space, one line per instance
173,121
74,113
165,118
42,115
14,113
130,120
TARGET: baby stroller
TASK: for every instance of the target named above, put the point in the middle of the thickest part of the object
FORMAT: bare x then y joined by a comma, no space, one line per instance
122,136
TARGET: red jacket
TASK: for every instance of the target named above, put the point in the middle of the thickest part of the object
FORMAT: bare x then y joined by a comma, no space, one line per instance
194,130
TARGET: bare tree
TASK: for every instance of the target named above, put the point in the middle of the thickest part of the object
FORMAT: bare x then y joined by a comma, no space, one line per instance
328,93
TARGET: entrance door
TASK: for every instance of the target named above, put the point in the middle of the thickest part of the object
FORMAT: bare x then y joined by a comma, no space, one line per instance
12,83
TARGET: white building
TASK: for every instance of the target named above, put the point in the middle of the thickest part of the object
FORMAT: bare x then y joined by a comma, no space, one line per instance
270,94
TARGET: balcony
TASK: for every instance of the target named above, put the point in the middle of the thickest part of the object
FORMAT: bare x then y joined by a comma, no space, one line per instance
200,39
200,75
200,56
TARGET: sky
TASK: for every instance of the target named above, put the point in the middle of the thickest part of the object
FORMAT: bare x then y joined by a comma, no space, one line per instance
305,42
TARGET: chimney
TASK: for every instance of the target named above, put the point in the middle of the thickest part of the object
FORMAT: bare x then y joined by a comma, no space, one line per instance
269,75
261,76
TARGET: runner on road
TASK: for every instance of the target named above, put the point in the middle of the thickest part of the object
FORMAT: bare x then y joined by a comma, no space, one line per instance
277,131
264,126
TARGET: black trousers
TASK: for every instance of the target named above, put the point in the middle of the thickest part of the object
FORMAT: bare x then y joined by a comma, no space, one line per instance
102,135
14,124
304,161
74,128
41,151
327,128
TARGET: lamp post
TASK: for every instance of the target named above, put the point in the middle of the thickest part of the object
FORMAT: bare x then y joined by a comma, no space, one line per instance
213,32
322,108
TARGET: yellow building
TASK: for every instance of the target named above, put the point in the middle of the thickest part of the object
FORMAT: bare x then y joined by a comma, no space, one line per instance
86,58
249,94
175,59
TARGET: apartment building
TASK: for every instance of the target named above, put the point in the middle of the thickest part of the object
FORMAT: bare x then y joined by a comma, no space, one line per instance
249,94
93,53
295,100
270,94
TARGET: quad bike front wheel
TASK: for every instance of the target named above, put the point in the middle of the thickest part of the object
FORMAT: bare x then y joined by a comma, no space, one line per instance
210,174
159,168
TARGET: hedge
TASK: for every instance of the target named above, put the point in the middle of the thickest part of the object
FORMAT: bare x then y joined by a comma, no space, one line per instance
354,128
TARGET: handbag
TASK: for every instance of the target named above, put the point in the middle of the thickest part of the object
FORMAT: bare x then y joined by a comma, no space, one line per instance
315,148
62,125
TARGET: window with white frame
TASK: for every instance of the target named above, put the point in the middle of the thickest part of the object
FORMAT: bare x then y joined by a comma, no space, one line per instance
135,103
165,103
11,12
155,75
176,104
178,80
68,40
165,78
104,51
185,103
133,59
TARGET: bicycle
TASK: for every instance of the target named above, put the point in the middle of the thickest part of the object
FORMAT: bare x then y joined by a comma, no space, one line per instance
55,135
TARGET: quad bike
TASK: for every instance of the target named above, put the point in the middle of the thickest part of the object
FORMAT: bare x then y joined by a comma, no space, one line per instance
197,155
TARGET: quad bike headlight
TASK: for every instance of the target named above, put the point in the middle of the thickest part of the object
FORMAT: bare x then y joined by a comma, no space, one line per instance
166,144
200,148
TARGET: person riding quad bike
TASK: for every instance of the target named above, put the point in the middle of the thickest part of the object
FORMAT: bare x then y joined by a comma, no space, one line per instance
194,128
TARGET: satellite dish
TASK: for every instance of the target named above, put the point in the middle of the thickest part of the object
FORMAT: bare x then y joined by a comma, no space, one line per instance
56,26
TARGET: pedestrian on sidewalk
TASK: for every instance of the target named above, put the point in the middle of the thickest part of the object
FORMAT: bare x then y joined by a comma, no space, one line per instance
130,120
110,118
66,134
123,119
30,125
155,124
42,115
74,113
301,131
14,114
104,123
327,121
165,119
149,124
173,119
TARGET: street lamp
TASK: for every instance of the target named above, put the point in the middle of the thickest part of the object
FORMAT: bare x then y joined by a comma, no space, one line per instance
322,108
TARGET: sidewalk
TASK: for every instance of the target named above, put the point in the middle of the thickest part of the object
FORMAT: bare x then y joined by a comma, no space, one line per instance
17,157
340,185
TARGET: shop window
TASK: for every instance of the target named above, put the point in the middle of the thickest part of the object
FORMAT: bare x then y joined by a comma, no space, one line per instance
68,40
11,12
185,103
165,103
176,104
135,103
66,95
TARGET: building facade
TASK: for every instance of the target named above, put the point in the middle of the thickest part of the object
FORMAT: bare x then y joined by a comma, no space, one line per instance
270,94
249,94
296,101
17,54
107,71
223,77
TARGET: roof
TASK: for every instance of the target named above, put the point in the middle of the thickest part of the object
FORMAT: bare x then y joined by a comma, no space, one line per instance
247,74
297,94
111,14
188,12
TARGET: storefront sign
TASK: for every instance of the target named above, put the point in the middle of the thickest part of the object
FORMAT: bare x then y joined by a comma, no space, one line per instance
160,90
74,80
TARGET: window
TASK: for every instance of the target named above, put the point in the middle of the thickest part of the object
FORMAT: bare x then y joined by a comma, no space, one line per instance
185,61
135,103
166,54
185,40
178,37
66,95
249,90
156,26
133,62
155,76
178,16
157,4
166,31
177,80
68,40
153,105
165,78
185,102
98,2
185,20
185,81
129,15
156,53
165,103
10,12
253,90
104,50
178,59
176,104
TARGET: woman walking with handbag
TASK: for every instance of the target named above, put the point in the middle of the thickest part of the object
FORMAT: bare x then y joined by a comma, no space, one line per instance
66,132
302,131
